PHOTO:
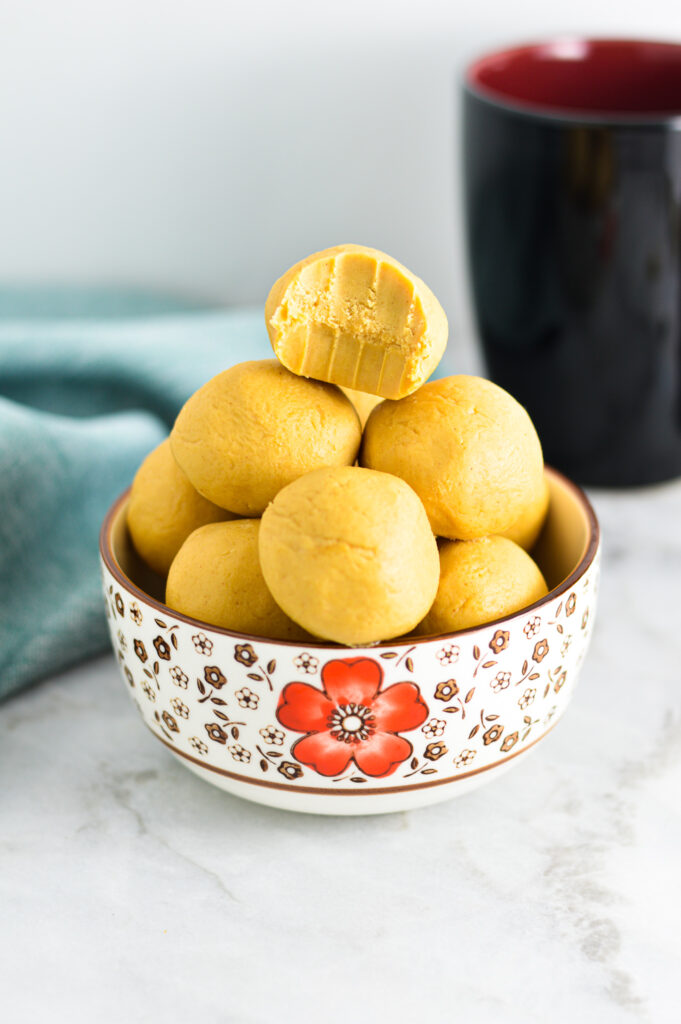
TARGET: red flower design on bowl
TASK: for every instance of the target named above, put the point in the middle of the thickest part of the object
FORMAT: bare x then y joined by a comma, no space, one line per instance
352,718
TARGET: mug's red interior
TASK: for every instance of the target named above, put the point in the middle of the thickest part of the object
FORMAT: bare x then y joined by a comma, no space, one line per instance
587,76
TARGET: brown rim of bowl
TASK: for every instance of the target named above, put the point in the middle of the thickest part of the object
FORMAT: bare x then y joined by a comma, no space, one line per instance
106,551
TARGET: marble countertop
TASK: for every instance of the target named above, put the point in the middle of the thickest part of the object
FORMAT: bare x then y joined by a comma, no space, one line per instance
132,891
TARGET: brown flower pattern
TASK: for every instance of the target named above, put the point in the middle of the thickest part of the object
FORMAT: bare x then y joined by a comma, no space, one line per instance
179,708
434,751
499,641
570,604
290,770
170,722
120,607
541,649
532,627
501,681
162,648
199,746
202,644
559,682
245,654
215,732
306,663
492,734
272,735
135,613
247,698
446,690
509,742
464,758
214,676
148,691
179,677
449,654
435,727
240,753
527,698
140,650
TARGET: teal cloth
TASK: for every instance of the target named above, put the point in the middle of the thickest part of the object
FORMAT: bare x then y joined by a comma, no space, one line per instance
90,381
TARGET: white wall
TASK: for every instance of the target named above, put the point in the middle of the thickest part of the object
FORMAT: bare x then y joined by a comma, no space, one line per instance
206,145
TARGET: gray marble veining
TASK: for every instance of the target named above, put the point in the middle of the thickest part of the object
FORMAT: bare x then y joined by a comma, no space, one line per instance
132,891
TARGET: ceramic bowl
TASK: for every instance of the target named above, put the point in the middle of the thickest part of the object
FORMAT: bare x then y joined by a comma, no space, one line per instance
336,730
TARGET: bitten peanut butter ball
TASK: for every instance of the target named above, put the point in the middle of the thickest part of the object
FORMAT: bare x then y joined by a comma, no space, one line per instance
467,448
255,428
348,553
526,530
481,580
356,317
216,578
164,509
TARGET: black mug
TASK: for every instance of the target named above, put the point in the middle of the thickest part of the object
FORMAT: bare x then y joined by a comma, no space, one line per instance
572,183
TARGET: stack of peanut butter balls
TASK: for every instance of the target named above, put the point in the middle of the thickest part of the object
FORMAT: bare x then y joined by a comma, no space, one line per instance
331,493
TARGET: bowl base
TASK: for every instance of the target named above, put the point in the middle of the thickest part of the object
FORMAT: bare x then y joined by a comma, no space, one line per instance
355,804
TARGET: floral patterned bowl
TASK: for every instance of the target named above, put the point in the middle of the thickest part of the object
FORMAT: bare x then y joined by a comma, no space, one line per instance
336,730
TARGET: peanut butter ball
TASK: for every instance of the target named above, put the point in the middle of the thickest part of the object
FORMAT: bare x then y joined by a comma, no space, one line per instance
526,529
216,578
467,448
356,317
348,553
255,428
481,580
164,509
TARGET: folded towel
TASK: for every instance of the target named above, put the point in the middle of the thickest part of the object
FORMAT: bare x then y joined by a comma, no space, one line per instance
89,383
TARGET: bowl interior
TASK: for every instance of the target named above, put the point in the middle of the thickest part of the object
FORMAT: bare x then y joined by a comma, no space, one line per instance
127,559
569,533
567,541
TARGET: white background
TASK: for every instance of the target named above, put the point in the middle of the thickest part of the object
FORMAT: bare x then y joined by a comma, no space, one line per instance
205,145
